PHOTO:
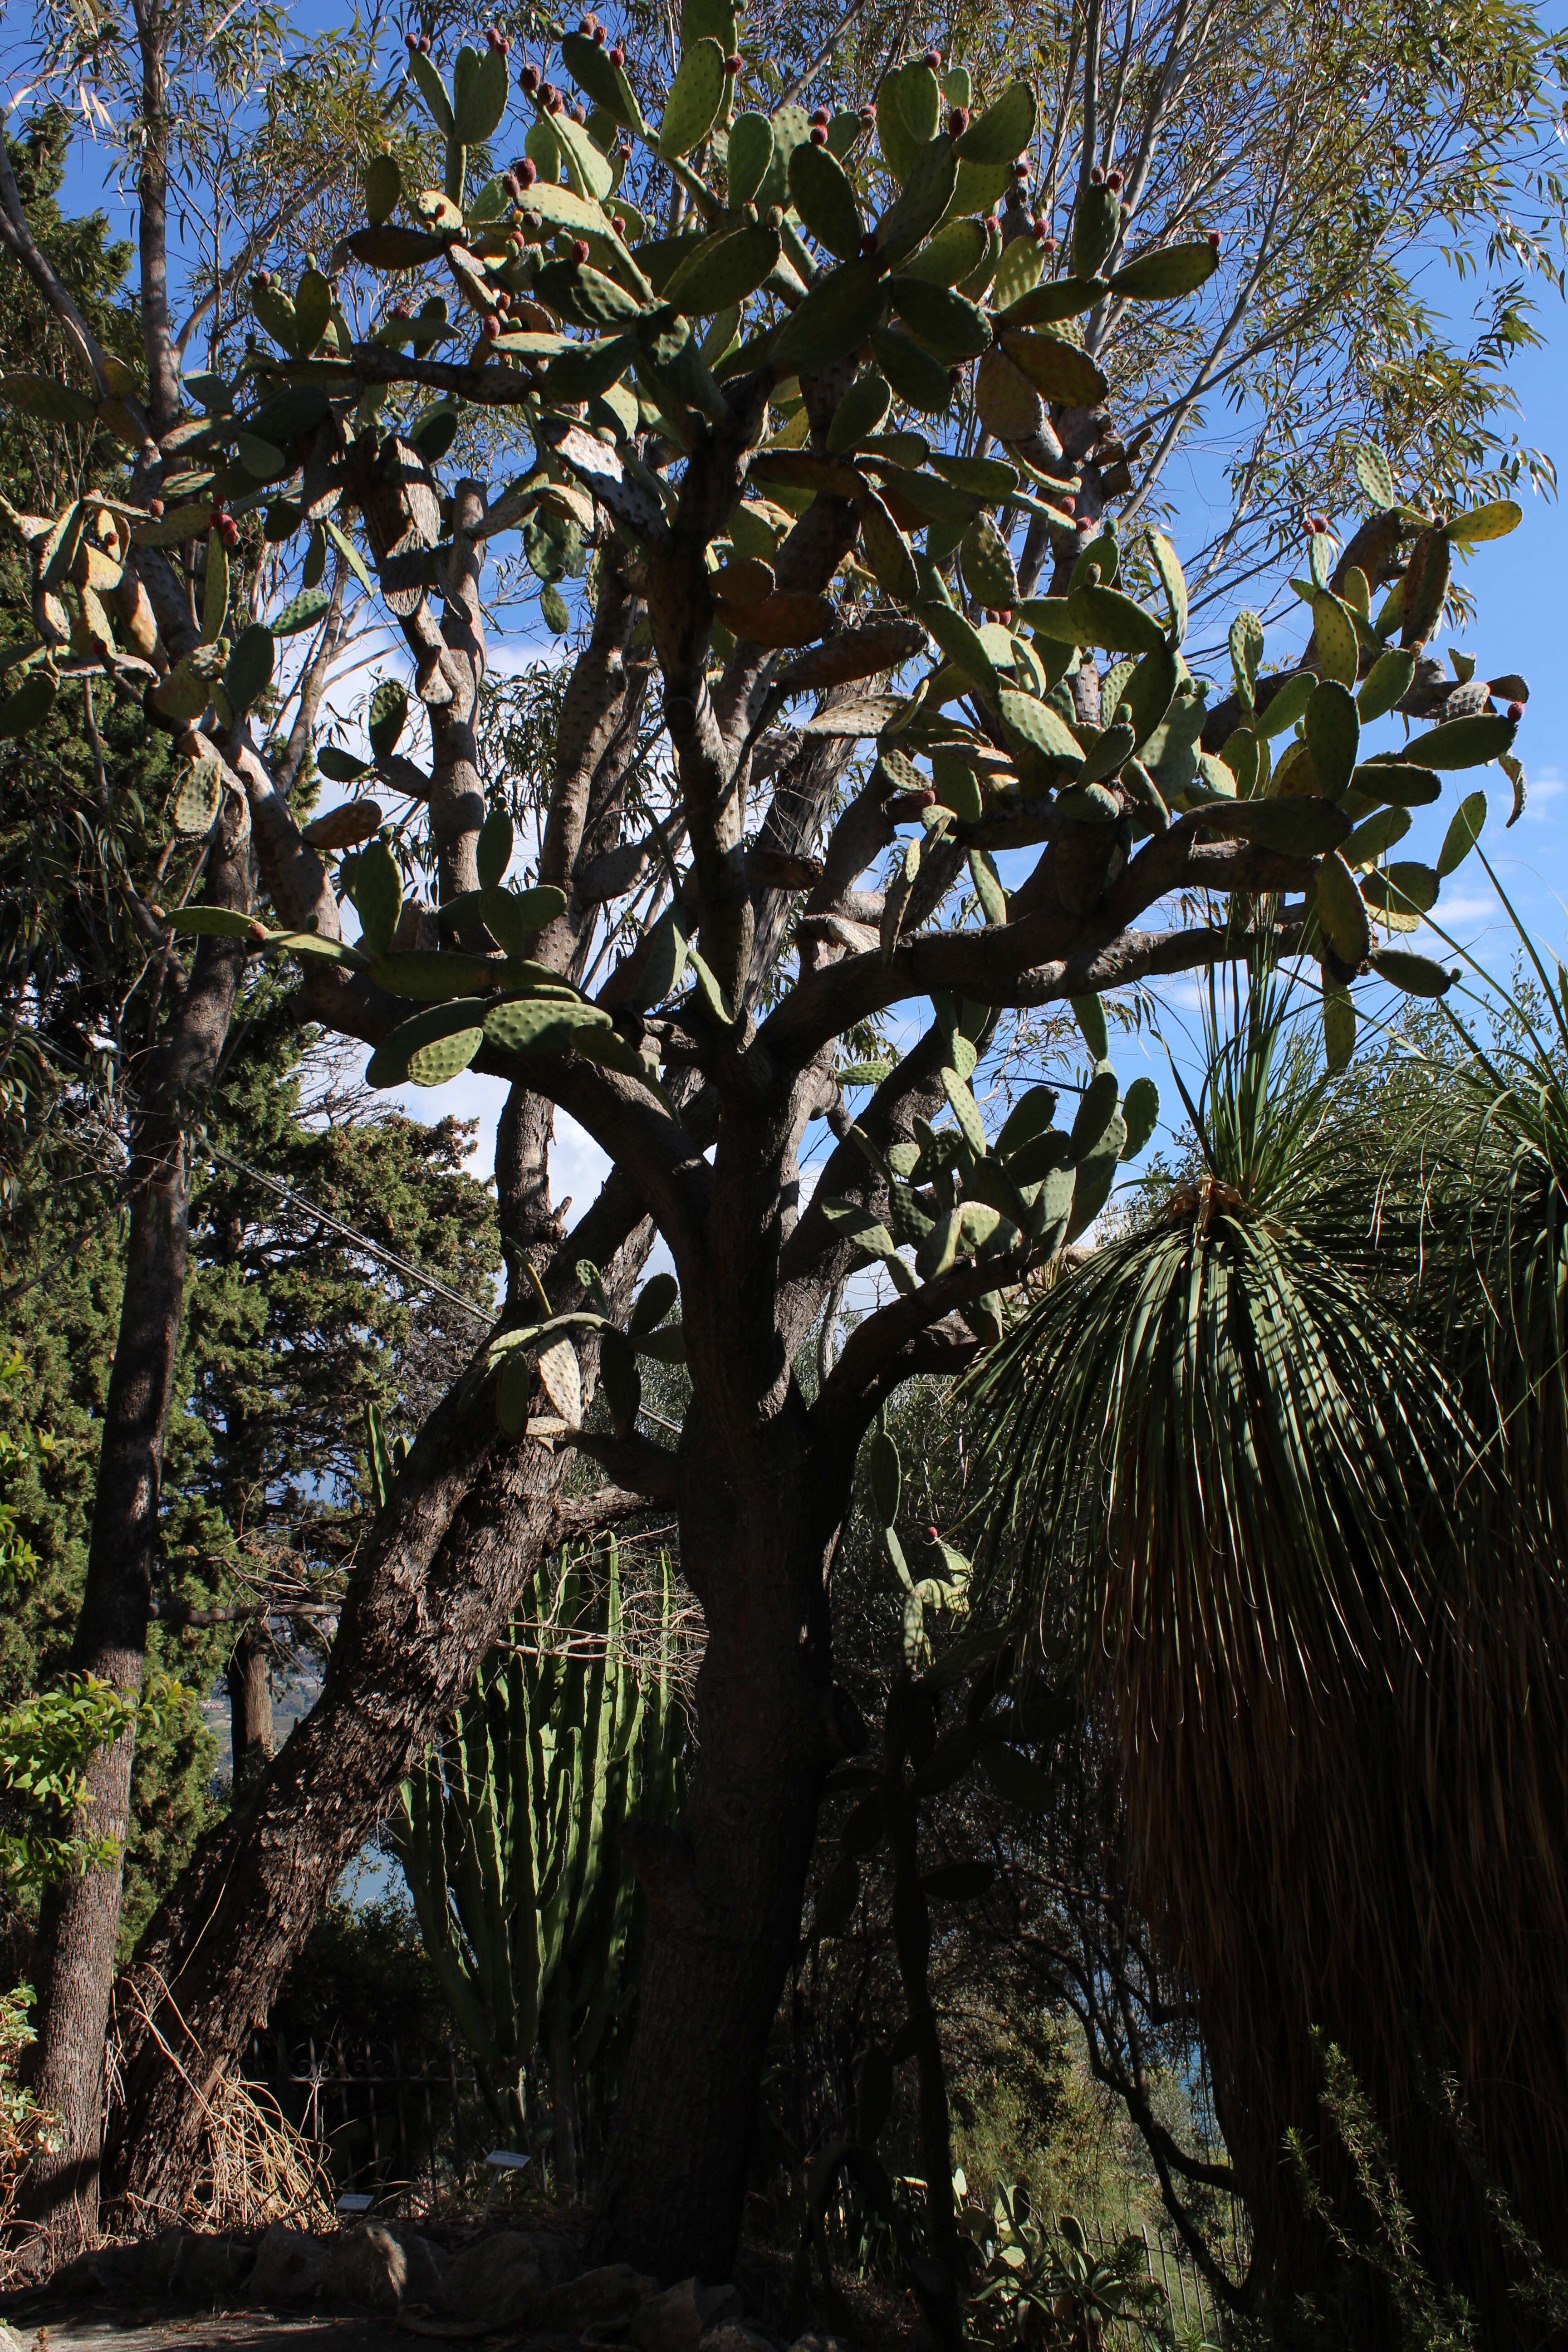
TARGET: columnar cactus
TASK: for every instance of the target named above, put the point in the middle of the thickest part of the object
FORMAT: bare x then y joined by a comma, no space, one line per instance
508,1835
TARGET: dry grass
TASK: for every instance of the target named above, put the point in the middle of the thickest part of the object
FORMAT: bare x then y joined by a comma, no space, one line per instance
256,2169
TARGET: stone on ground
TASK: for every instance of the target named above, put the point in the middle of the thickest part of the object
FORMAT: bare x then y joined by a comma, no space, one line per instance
289,2266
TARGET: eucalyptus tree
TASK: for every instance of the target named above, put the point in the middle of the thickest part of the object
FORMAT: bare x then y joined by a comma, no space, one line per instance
1382,182
172,81
740,432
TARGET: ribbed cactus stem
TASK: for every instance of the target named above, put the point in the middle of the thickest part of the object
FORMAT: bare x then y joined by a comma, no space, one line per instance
509,1833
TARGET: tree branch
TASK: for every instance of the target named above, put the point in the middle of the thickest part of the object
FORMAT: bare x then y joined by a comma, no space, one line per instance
17,237
1041,961
580,1515
917,1331
645,1470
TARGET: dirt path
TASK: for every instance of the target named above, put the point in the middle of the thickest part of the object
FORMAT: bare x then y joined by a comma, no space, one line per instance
96,2327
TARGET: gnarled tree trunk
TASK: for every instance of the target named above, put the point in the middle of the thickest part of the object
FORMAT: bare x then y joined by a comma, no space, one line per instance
416,1623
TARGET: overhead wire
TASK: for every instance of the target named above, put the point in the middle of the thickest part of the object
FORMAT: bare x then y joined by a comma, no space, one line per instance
287,1192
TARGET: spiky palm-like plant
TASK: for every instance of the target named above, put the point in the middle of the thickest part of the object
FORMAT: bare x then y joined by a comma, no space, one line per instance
1244,1477
1491,1156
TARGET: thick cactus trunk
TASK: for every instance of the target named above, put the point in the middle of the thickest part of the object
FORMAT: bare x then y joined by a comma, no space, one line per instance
759,1523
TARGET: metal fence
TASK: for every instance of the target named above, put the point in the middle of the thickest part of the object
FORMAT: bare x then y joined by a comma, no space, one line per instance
382,2120
388,2122
1196,2316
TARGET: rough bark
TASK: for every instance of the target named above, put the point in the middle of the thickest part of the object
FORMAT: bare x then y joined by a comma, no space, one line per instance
760,1511
445,1565
249,1680
74,1966
417,1618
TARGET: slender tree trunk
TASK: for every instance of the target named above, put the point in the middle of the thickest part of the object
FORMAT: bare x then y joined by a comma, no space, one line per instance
249,1681
758,1522
75,1963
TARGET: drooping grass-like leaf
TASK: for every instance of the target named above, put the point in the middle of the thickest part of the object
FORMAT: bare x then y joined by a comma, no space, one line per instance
1231,1458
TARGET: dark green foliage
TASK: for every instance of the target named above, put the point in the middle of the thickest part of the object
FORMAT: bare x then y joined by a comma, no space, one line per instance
364,1974
291,1326
295,1323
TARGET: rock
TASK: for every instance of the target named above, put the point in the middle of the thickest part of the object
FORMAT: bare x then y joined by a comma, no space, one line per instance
214,2270
500,2279
670,2322
677,2320
718,2306
559,2256
189,2262
120,2272
736,2336
595,2298
9,2339
366,2266
427,2270
289,2266
167,2259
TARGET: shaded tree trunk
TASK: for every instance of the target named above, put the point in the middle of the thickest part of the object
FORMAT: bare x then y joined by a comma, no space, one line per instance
417,1620
445,1565
759,1518
75,1962
249,1680
910,1734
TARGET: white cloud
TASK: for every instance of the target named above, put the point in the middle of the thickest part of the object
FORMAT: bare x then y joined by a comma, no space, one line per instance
1540,791
1463,913
1183,991
508,656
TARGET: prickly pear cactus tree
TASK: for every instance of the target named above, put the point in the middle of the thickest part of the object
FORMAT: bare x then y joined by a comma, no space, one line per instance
509,1832
876,743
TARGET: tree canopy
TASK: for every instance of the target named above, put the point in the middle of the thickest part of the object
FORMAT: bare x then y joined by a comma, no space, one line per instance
880,734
